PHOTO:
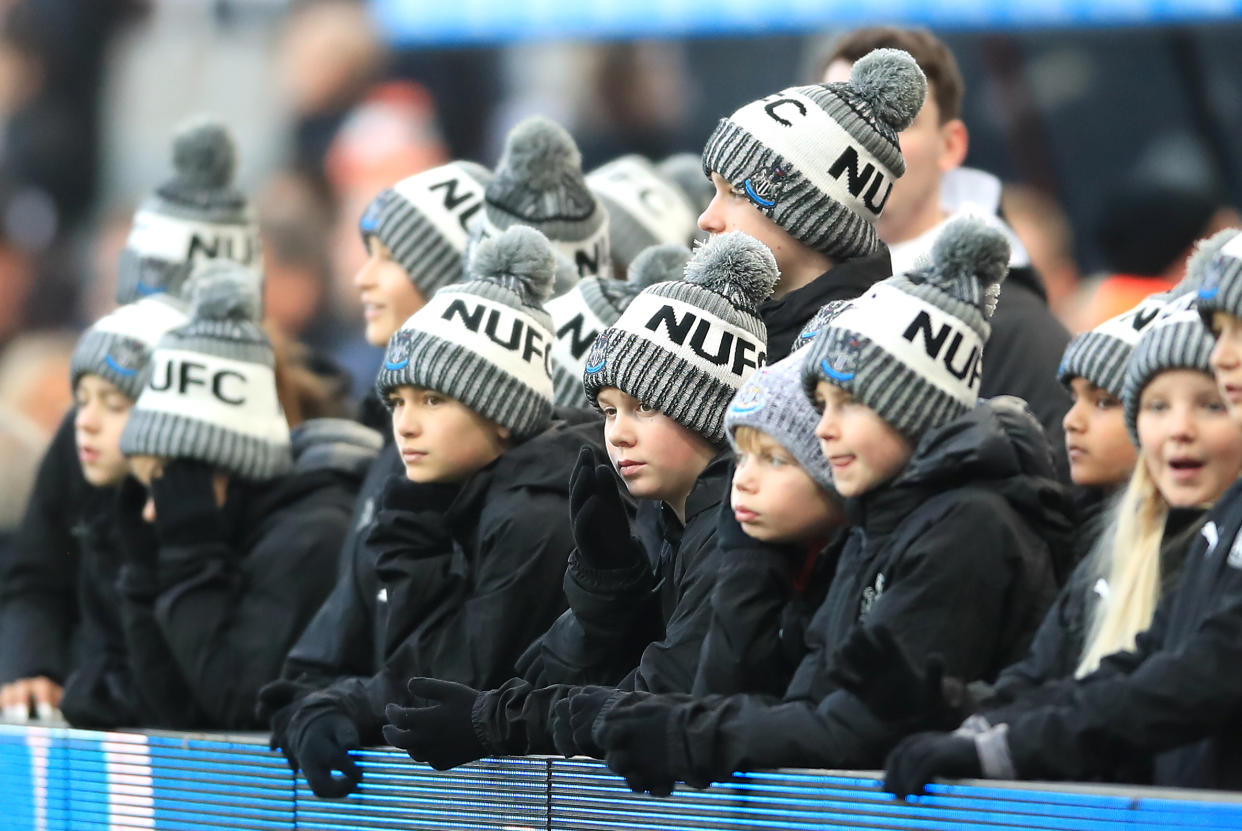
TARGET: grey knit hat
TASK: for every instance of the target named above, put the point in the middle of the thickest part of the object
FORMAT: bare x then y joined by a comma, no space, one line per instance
211,391
592,306
196,215
820,160
1100,354
686,346
644,207
539,183
818,322
773,402
118,346
424,221
911,348
1177,339
1220,288
487,341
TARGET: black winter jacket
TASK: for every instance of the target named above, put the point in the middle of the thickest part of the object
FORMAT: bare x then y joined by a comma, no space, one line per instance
786,317
634,630
39,571
1057,647
207,625
468,613
953,557
1177,697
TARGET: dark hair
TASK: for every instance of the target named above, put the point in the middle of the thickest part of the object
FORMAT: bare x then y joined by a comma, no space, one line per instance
929,52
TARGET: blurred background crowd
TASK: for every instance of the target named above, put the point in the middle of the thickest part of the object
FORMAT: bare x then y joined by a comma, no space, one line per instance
1117,145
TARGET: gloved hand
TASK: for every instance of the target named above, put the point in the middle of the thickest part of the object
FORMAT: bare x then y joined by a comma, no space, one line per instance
411,520
321,745
600,524
874,666
637,741
185,504
924,756
574,717
439,730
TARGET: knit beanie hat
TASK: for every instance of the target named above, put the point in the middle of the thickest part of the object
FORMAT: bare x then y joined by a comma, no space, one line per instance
911,348
772,401
644,208
592,306
118,346
1220,287
487,341
1177,339
820,160
1100,354
196,215
539,183
211,393
818,323
424,219
686,346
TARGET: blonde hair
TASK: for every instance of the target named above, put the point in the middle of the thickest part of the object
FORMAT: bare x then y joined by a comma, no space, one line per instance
1127,555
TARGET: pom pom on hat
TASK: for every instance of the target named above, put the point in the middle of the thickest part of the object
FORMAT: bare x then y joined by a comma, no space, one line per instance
204,154
737,266
541,153
521,257
658,264
222,290
892,82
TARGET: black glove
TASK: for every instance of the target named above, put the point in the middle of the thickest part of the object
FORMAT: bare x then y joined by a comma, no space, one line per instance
601,526
637,743
411,520
320,746
920,758
573,721
874,666
185,504
440,730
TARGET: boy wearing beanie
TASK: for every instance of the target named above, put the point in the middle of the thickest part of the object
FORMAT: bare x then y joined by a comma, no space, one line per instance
195,216
228,547
1174,698
663,376
471,539
539,183
106,373
949,508
582,313
416,233
807,171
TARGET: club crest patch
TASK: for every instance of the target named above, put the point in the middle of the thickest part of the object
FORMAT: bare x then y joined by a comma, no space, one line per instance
764,188
369,224
748,399
597,358
842,364
398,355
126,357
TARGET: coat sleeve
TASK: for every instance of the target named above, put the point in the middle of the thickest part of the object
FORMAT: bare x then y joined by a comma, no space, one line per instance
940,596
38,572
742,650
495,602
1143,702
1057,647
229,617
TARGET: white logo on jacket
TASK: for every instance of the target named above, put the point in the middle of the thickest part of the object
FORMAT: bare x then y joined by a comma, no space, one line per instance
871,594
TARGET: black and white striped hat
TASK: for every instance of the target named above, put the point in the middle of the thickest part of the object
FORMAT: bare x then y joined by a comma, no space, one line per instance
487,341
425,221
1220,289
197,215
211,390
820,160
645,207
911,348
118,346
685,346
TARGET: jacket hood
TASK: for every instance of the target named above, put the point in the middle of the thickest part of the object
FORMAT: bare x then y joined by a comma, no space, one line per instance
998,445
